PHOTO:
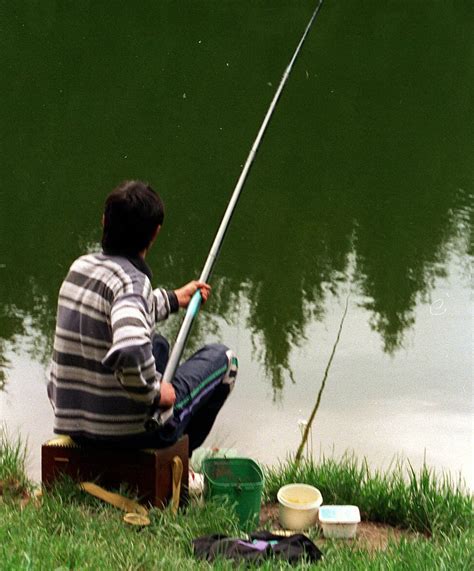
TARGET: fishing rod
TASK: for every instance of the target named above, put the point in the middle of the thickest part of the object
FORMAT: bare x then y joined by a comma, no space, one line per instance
160,417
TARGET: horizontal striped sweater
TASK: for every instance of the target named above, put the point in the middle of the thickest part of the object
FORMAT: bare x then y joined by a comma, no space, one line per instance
103,380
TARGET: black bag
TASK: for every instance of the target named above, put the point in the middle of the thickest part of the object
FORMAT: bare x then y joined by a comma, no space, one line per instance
262,545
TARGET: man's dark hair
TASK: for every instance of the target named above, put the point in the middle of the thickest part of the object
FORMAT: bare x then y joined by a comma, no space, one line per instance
132,212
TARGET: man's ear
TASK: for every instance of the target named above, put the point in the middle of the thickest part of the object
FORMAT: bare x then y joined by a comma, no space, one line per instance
102,220
155,234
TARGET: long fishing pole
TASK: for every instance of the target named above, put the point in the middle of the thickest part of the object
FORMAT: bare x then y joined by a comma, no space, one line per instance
160,417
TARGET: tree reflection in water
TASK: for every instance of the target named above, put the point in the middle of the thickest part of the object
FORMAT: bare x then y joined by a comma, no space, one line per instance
362,171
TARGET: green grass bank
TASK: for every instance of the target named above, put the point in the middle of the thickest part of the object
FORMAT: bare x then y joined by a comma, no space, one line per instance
71,530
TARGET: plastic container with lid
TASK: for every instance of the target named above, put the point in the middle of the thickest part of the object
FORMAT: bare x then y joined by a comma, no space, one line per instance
339,522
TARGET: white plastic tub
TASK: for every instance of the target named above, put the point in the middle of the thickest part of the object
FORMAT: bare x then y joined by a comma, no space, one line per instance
299,504
339,522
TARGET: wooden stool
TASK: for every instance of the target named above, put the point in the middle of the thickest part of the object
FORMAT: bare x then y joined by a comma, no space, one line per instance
147,472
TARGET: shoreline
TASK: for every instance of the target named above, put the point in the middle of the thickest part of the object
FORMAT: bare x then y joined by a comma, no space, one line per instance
422,522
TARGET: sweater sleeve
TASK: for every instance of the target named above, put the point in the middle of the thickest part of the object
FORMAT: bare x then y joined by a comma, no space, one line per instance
166,302
130,356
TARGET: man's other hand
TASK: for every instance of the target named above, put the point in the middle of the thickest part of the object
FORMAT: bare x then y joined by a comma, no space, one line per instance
185,293
167,395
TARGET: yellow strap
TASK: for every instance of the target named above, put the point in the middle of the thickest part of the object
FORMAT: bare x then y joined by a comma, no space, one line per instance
131,506
136,519
177,471
116,500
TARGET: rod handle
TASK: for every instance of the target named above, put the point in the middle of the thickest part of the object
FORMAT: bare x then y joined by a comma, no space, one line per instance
153,423
160,416
158,419
194,304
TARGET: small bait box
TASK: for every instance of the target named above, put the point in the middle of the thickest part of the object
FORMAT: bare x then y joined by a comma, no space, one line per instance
339,522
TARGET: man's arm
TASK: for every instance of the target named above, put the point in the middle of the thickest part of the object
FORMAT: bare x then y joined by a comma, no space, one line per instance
169,301
185,293
166,302
130,356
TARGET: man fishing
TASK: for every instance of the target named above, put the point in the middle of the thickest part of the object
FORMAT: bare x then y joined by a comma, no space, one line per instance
108,361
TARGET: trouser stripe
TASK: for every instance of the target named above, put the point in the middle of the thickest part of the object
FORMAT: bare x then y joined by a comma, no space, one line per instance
200,387
210,387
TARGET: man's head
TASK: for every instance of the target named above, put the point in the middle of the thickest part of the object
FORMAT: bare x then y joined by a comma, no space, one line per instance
132,215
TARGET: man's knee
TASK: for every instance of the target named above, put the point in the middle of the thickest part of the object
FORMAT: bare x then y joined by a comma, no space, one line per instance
232,369
216,347
215,353
222,353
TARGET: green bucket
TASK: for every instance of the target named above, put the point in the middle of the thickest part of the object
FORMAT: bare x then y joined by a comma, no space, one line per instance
241,481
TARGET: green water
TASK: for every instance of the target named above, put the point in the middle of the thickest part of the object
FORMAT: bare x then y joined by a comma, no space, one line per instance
364,182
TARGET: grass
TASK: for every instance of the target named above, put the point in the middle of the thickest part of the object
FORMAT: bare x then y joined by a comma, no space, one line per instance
71,530
447,553
421,501
13,480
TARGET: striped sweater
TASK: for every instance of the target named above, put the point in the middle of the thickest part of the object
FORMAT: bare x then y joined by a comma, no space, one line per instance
103,380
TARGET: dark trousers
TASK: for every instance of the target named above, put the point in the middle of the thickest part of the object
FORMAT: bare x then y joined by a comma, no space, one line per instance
202,384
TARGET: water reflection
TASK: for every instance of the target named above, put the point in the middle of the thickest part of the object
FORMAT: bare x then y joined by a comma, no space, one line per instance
3,365
359,179
395,284
390,283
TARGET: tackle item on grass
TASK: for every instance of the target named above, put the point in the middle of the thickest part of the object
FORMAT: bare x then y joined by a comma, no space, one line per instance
148,472
260,547
239,481
298,506
196,484
136,519
177,470
113,499
201,454
196,477
137,514
339,522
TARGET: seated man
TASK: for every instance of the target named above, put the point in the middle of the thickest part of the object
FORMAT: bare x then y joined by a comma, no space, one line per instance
108,361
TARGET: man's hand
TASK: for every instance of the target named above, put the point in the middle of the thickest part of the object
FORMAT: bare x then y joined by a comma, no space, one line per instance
167,395
185,293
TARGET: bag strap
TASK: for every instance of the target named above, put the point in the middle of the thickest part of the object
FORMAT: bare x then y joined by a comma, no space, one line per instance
131,506
117,500
177,472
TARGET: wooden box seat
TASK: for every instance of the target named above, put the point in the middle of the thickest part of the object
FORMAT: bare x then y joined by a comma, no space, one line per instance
148,473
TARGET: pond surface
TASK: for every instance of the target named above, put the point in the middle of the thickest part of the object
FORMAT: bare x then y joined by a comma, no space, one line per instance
362,191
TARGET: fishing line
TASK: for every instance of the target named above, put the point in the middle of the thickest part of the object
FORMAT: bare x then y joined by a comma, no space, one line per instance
160,417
